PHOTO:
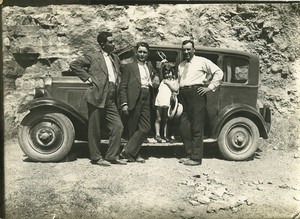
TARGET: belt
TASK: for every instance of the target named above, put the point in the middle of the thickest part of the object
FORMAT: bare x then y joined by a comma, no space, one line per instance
111,83
145,87
193,86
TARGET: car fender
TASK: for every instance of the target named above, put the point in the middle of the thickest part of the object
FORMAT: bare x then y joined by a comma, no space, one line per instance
238,110
42,102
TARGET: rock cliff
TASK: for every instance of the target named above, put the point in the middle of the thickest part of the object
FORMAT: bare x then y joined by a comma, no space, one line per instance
43,40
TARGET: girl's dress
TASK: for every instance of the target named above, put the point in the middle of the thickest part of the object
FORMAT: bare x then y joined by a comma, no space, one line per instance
164,93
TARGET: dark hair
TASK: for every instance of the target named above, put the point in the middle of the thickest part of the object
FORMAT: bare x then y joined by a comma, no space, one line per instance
102,37
188,41
167,67
142,44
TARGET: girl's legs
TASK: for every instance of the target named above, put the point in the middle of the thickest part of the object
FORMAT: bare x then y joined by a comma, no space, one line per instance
157,124
164,119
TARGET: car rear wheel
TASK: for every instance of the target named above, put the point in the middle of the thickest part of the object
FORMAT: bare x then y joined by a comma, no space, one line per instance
238,139
46,136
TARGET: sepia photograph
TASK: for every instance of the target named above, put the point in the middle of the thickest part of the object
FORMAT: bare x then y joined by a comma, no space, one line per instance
150,109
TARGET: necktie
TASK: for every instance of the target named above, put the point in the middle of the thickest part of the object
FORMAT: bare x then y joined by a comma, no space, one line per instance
185,70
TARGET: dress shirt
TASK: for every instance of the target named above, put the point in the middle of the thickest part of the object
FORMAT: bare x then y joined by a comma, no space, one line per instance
110,68
200,71
145,75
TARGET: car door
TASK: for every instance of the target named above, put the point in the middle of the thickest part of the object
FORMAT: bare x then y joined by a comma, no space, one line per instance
236,86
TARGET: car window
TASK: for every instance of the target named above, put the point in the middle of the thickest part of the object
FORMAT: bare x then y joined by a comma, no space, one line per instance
156,55
236,69
212,57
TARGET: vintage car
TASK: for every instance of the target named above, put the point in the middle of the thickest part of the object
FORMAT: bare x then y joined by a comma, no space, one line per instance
235,118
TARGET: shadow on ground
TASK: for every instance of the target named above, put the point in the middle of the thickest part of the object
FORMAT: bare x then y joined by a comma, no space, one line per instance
80,150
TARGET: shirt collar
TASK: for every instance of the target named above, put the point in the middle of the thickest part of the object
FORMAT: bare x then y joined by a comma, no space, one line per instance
142,64
191,60
104,53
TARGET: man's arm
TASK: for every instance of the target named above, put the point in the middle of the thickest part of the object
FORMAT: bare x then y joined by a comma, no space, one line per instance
216,77
172,84
124,88
216,73
154,75
80,66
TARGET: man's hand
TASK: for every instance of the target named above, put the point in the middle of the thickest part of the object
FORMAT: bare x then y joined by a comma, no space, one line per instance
125,110
203,90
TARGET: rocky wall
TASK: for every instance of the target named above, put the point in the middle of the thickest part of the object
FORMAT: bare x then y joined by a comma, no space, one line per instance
43,40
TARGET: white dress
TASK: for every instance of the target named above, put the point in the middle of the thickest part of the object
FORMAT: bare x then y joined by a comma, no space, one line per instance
163,96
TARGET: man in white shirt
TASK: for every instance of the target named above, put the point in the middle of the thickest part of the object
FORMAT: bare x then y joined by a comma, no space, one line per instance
101,69
197,76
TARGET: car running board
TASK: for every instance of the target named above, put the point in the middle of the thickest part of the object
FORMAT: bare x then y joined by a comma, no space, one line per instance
155,144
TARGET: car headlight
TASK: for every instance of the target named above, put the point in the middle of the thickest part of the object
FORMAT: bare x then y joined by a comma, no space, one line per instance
47,80
37,92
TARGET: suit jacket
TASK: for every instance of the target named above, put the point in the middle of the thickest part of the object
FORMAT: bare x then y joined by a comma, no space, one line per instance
131,83
93,65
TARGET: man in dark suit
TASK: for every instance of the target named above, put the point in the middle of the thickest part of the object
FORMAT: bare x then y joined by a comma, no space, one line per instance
102,70
135,96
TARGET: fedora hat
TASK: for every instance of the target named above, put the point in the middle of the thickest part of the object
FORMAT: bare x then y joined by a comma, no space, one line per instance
175,109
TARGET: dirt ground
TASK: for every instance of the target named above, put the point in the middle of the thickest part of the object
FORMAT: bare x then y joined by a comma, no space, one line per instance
266,187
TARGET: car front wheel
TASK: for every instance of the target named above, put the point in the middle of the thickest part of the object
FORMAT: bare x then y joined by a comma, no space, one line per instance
238,139
46,136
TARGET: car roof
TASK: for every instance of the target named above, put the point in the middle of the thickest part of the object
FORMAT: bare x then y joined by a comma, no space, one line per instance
208,49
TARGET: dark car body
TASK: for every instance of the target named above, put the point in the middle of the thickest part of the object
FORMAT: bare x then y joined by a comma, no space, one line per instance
233,110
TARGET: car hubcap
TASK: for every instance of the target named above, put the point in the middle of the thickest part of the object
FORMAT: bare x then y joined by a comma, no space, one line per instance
46,136
239,138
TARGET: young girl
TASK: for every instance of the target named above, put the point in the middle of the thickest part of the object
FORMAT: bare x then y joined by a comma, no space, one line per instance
162,102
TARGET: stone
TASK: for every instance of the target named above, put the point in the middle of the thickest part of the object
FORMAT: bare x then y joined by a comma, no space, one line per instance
200,188
194,203
284,186
173,210
259,188
249,202
276,68
219,191
203,200
297,197
235,210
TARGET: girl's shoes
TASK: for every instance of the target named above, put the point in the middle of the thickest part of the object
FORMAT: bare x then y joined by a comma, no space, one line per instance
158,139
166,139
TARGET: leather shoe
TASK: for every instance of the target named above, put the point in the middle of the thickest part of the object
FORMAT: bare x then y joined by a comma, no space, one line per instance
122,162
184,159
139,159
191,162
101,162
127,156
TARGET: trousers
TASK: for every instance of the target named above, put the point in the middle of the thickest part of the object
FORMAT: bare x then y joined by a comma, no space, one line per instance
111,117
192,122
139,123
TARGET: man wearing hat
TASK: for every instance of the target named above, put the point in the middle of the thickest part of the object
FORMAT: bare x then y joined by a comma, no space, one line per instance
197,76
